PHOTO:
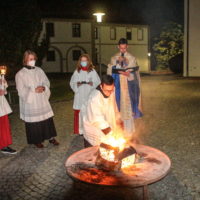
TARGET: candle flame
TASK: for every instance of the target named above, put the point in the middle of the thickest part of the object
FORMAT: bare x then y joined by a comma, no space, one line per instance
2,70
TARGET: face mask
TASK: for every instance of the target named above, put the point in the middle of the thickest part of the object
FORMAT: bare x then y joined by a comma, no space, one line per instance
84,63
31,63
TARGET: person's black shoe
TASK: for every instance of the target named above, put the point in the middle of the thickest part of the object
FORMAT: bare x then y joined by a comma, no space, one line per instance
8,150
54,142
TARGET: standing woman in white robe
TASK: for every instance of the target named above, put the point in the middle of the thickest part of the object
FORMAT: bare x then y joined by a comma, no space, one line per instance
83,81
33,90
5,131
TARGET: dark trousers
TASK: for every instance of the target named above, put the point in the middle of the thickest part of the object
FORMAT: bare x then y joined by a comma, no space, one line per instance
37,132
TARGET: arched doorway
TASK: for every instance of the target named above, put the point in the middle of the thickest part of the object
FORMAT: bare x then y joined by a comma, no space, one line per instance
53,60
72,56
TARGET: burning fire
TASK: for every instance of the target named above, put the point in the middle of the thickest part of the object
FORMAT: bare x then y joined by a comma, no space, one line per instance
128,161
115,149
107,154
115,141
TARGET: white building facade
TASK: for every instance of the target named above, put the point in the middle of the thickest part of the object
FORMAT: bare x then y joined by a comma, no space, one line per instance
69,38
192,38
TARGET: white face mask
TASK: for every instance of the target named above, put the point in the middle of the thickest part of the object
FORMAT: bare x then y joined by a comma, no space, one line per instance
84,63
31,63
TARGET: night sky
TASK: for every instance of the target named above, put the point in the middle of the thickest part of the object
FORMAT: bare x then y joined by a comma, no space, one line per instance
151,12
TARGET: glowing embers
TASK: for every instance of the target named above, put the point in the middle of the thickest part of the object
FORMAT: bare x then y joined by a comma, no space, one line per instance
114,157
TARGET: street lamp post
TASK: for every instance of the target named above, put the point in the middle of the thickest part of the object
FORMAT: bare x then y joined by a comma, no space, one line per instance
99,20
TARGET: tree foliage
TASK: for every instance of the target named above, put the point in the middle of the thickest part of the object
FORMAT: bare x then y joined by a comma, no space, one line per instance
168,44
20,29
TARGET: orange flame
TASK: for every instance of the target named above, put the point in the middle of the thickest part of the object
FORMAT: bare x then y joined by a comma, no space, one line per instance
116,140
128,161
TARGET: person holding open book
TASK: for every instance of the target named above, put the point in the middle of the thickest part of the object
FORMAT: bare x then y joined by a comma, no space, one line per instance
125,71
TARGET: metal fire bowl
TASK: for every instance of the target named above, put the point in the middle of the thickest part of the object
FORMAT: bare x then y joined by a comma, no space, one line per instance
152,166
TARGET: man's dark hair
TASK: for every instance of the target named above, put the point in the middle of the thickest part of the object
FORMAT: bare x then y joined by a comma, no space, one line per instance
122,41
107,79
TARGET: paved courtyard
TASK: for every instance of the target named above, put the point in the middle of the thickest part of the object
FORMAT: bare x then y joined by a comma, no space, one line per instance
171,108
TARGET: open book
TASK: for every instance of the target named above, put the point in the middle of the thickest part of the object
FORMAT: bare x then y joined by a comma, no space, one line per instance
84,82
117,70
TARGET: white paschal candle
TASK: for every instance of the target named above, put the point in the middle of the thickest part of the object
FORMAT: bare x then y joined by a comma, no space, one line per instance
2,85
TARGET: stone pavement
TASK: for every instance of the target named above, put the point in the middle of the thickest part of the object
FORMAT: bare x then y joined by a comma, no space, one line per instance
170,123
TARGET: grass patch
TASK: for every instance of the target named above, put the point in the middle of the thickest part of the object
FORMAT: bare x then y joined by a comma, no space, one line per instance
60,90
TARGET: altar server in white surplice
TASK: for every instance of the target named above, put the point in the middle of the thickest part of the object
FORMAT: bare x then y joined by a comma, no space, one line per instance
33,90
100,115
84,80
5,130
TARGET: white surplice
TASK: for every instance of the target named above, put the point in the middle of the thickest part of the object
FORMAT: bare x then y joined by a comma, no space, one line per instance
34,107
98,113
82,92
4,106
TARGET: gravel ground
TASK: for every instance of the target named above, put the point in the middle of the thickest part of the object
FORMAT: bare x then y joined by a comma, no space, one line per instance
171,107
170,123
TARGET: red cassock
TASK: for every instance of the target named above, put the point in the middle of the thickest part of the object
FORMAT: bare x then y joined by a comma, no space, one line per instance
5,132
76,121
